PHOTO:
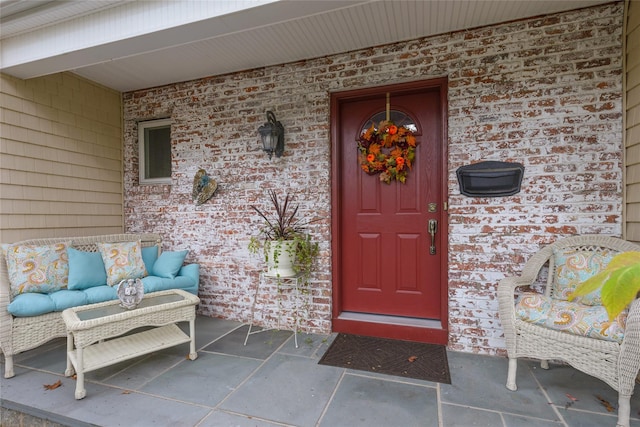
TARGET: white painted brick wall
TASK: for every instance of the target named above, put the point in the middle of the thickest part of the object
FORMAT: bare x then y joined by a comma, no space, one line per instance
546,92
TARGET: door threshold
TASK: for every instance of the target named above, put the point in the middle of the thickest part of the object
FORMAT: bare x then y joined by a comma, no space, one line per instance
395,327
390,320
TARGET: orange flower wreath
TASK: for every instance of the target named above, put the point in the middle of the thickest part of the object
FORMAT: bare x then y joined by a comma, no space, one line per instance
388,150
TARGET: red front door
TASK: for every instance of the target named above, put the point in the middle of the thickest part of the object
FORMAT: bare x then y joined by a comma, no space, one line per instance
389,273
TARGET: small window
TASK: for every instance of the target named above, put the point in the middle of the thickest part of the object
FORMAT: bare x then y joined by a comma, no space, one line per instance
154,139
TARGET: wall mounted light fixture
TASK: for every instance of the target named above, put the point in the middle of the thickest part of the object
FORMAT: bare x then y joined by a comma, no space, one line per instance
272,135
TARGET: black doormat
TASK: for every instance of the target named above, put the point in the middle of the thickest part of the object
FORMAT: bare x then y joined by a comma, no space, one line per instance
386,356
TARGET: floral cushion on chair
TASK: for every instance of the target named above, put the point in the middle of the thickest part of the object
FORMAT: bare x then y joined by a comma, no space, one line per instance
571,317
122,261
574,266
40,269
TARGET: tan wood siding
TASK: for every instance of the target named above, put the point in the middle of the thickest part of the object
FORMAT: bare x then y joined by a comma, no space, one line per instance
60,158
632,137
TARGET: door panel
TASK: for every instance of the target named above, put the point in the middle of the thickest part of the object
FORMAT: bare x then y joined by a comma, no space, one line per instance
370,248
409,247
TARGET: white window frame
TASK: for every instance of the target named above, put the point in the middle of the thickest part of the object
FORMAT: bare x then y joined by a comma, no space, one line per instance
142,155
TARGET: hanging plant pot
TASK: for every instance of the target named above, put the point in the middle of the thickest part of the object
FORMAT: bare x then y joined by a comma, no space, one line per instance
283,241
281,255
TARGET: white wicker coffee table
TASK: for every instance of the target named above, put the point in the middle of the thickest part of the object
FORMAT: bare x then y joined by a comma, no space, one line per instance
91,327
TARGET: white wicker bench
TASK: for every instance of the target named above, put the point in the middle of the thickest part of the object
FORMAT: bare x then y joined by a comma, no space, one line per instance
18,334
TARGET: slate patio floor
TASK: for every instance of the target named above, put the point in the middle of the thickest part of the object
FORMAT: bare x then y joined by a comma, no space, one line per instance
271,383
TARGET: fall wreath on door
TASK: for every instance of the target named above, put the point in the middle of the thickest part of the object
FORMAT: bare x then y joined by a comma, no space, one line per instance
387,150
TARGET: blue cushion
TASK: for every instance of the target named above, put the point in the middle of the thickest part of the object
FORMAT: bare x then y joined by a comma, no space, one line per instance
31,304
155,283
192,271
86,269
168,264
34,304
64,299
100,294
149,257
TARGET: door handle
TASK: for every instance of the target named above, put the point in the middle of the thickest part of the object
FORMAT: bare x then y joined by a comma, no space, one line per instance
432,228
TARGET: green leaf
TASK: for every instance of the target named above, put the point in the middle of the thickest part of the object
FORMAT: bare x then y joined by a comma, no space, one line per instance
620,261
624,259
621,289
590,285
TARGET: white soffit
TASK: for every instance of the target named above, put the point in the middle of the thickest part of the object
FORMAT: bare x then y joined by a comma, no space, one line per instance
128,45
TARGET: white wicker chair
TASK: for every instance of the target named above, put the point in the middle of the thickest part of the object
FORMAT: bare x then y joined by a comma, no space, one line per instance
617,364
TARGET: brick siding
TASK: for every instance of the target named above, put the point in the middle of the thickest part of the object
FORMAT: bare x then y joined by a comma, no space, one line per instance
546,92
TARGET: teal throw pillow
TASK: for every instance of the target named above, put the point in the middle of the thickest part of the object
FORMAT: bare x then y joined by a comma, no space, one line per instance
86,269
169,263
149,257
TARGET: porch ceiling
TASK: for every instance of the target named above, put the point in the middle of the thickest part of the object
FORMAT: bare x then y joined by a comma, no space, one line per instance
128,45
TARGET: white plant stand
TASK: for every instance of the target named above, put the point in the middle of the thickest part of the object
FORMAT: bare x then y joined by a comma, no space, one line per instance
91,330
283,283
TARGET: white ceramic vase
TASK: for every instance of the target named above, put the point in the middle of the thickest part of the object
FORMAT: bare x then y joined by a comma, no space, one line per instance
282,254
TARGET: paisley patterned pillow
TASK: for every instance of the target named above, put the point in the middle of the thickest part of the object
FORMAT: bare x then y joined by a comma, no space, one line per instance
574,267
122,261
41,269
